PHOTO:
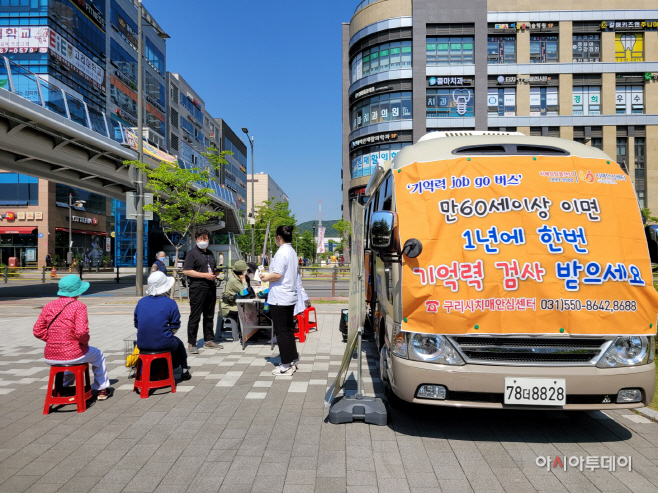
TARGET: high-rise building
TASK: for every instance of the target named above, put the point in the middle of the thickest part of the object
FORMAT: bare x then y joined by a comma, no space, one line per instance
265,188
564,68
234,174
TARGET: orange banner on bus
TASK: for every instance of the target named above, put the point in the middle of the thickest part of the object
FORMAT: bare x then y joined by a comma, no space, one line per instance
524,245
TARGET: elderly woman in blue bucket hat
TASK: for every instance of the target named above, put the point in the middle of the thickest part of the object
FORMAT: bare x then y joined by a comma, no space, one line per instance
64,326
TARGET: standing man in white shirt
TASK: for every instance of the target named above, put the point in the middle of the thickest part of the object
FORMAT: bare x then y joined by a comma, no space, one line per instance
282,298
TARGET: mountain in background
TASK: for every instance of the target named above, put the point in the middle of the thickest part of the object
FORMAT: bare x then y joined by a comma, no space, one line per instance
308,226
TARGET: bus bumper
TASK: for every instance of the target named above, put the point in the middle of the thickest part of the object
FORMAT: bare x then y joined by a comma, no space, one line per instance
483,386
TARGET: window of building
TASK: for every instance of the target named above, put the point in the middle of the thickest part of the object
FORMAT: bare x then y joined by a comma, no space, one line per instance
154,89
640,170
198,135
543,101
622,152
365,160
450,50
454,102
123,60
597,142
154,56
587,100
187,125
381,58
543,49
94,203
629,47
545,132
501,101
17,189
187,104
378,109
501,49
629,100
586,48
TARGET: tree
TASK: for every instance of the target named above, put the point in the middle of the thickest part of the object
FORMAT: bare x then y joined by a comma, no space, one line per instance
305,245
646,212
278,214
343,228
180,195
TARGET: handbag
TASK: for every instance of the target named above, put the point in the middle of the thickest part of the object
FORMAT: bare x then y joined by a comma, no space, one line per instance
55,318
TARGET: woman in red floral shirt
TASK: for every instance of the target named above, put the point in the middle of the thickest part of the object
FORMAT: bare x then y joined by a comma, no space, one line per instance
63,324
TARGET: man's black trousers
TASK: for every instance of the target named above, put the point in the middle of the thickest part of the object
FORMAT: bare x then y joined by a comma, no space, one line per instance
284,329
202,301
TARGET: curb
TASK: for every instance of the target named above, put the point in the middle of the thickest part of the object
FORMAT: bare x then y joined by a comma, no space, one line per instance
647,413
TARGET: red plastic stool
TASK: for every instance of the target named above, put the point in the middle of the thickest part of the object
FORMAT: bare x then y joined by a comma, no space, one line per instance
307,316
143,380
301,327
82,392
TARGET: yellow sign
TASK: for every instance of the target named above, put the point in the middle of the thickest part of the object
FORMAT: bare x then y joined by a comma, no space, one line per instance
112,234
629,47
524,245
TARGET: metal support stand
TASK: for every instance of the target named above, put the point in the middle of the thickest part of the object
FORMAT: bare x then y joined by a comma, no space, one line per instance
358,407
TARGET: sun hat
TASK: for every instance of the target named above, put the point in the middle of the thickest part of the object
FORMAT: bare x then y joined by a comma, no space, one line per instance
159,283
71,286
240,266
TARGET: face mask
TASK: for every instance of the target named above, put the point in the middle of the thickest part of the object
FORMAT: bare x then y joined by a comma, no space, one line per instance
202,244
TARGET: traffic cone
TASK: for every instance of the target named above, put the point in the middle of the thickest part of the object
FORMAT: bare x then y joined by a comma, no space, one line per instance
53,273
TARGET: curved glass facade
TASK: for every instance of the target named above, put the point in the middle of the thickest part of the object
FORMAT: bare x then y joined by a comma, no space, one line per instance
389,107
365,160
381,58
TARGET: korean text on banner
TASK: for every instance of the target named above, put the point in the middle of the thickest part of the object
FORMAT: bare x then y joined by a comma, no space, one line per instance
321,231
540,245
357,302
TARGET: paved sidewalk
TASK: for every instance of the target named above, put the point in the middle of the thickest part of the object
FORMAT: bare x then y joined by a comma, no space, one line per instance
236,428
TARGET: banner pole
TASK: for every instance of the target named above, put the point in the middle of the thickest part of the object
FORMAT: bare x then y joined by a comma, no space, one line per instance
359,385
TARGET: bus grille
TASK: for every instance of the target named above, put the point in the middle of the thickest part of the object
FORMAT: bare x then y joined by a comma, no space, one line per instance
529,351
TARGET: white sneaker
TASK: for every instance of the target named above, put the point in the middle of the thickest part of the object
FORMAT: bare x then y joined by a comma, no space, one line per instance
272,341
284,370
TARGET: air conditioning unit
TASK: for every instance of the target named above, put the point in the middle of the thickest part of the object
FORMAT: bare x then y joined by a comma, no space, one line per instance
187,139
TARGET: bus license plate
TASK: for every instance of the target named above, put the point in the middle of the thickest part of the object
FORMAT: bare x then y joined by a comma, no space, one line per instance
535,391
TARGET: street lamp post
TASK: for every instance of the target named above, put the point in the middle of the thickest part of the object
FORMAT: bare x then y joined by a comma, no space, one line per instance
253,213
78,203
139,178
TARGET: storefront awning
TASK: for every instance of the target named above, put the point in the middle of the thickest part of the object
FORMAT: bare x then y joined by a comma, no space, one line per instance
13,230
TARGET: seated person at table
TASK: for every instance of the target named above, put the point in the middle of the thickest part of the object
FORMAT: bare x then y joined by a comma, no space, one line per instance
157,319
236,282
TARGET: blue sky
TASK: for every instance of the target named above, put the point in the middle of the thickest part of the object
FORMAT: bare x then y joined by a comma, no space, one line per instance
274,67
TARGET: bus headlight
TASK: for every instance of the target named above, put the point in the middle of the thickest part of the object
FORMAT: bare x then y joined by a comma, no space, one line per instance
433,348
626,351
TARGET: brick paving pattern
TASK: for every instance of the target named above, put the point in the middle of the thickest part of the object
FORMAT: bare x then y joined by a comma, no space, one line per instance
236,428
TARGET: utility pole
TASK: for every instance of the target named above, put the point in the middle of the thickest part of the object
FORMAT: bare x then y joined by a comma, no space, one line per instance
253,212
139,182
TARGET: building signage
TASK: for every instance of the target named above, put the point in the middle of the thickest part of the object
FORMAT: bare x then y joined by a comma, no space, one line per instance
127,31
651,25
150,150
29,215
77,61
38,216
372,139
85,220
506,79
449,81
108,244
126,116
369,90
91,11
24,39
10,216
534,79
21,216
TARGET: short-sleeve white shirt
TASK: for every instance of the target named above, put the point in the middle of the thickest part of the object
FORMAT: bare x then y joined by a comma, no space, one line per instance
284,291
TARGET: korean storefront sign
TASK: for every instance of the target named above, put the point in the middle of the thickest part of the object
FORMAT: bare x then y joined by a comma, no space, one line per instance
649,25
373,139
24,39
629,47
523,245
150,150
127,31
74,59
449,81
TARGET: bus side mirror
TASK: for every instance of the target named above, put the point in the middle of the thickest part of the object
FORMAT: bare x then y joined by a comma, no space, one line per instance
383,231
